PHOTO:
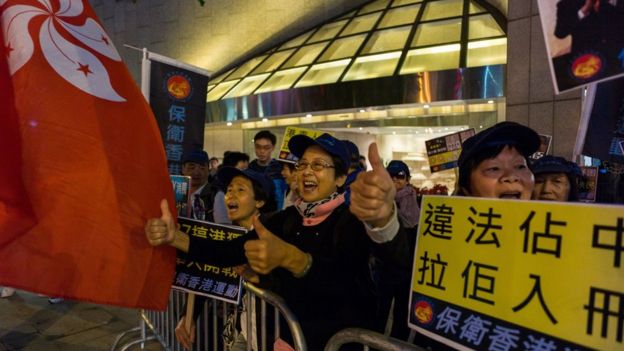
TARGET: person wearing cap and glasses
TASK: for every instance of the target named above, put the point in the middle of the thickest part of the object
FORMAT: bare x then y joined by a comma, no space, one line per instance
494,162
315,254
556,179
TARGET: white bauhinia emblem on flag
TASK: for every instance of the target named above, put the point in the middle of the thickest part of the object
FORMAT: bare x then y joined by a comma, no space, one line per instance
74,63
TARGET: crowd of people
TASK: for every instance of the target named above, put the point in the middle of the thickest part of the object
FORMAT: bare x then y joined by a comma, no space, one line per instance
333,239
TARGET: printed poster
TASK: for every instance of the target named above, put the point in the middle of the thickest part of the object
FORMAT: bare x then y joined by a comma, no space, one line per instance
181,188
584,40
588,184
493,274
545,141
284,153
443,152
221,283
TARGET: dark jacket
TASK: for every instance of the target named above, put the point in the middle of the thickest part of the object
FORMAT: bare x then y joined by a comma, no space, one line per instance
338,291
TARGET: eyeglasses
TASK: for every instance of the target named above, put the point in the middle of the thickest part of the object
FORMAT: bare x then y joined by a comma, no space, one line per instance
316,165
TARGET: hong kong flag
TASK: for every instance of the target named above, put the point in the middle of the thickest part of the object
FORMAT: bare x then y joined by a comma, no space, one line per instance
82,165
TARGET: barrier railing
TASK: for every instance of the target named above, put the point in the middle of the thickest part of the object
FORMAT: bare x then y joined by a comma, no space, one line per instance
367,339
160,325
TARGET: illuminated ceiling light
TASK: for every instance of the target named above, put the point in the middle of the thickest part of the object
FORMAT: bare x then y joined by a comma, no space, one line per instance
487,43
425,106
309,115
393,133
480,127
379,57
360,128
265,120
490,101
362,110
445,128
435,50
229,124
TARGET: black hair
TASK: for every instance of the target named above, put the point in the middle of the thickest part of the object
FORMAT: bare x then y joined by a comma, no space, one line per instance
231,158
573,195
471,164
339,166
265,134
260,195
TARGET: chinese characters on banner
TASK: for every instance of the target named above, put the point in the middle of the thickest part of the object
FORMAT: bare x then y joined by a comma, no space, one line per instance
443,152
495,274
203,279
284,153
178,99
181,187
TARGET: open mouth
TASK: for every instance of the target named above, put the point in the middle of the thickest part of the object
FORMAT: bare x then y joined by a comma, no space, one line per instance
309,186
510,195
231,206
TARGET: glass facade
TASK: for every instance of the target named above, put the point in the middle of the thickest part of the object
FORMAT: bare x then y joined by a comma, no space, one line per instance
382,38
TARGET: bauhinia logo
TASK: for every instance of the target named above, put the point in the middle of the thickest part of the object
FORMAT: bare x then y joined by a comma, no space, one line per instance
74,63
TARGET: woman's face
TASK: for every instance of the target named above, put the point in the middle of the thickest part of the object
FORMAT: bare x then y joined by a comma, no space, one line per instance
505,176
317,185
552,187
240,202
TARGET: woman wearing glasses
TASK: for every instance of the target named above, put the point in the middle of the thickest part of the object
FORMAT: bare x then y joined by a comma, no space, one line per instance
315,254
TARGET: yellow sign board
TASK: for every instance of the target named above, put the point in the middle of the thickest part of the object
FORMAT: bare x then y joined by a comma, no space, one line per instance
494,274
284,154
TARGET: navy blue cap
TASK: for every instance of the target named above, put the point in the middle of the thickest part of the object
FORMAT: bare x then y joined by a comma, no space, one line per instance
555,164
299,143
195,156
226,174
523,138
354,152
398,168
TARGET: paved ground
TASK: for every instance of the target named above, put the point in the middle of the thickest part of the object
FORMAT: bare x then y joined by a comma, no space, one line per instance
29,322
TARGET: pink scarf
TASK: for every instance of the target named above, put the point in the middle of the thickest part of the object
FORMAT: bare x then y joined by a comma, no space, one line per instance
314,213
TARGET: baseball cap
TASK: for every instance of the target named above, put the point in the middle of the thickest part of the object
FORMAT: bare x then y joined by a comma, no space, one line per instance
555,164
398,168
196,156
521,137
226,174
299,143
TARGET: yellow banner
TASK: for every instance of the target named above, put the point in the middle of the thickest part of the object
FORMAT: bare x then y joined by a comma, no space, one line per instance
494,274
284,154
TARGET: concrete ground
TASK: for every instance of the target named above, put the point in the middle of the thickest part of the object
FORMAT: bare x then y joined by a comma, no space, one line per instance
29,322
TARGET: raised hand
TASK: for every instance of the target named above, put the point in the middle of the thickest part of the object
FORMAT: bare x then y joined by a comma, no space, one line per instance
266,253
185,338
372,193
161,230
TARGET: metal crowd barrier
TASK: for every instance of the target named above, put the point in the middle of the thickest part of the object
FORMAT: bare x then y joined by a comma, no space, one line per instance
368,339
160,325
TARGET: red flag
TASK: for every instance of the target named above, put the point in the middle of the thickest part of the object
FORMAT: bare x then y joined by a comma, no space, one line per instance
82,164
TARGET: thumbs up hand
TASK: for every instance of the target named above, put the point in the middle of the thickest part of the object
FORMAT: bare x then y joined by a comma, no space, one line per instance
372,193
161,230
270,252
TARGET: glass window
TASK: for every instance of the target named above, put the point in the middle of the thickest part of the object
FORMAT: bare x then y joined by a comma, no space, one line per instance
397,17
323,73
297,41
361,24
246,86
281,80
438,32
273,62
220,89
342,48
475,8
487,52
443,9
374,6
404,2
328,31
220,77
305,55
483,26
381,65
387,40
247,67
431,59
